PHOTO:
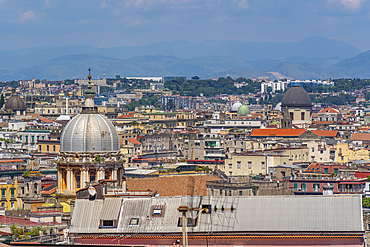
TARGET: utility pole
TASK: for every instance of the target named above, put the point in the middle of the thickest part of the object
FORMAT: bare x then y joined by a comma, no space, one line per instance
183,210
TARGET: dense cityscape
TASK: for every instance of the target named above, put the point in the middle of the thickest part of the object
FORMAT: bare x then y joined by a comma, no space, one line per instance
88,161
185,123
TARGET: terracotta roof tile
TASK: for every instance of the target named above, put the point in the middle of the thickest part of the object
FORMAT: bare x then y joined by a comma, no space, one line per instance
329,110
134,141
277,132
172,186
360,136
326,133
45,120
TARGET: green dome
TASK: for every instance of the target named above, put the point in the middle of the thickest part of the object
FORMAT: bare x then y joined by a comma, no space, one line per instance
243,109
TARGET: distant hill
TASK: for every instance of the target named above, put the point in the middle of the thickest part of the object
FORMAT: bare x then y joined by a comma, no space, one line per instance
312,58
356,67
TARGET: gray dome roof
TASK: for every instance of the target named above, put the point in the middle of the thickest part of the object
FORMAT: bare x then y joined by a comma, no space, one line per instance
296,96
15,103
235,106
89,133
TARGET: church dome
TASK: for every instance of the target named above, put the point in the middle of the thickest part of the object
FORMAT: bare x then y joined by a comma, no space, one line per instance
243,109
235,106
15,103
89,133
296,96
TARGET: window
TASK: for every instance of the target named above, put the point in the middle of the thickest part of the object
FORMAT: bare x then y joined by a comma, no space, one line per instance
336,170
3,194
92,177
303,186
220,192
295,186
302,115
12,205
249,164
230,166
157,212
321,151
47,148
134,222
78,181
238,164
12,193
107,223
263,165
326,170
291,116
190,222
240,193
316,187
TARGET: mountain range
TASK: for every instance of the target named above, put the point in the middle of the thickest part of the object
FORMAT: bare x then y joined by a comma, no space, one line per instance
311,58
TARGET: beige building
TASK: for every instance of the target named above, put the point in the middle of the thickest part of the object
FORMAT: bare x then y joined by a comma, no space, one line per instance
259,162
319,151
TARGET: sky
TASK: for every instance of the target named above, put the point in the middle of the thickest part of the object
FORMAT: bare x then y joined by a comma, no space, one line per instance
114,23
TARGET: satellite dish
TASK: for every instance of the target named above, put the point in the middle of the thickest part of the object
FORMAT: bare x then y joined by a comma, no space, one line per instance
92,191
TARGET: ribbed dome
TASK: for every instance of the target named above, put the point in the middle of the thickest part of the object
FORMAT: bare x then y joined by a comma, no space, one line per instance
15,103
296,96
235,106
243,109
89,133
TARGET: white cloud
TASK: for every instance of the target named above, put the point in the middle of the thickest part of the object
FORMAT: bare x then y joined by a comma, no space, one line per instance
103,4
27,16
242,4
130,22
348,4
144,4
84,21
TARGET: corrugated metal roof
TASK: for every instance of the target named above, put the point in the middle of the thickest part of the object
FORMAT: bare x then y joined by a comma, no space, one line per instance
85,216
341,213
111,208
289,213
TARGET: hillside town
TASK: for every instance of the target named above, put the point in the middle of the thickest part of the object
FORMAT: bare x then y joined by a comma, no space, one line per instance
127,161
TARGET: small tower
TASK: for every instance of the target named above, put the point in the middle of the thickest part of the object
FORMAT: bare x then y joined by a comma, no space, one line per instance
32,187
286,122
89,98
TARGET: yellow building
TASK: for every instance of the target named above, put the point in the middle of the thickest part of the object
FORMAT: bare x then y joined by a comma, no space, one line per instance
346,154
9,198
48,146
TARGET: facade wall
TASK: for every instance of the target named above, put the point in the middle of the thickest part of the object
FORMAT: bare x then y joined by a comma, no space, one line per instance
9,197
318,151
344,154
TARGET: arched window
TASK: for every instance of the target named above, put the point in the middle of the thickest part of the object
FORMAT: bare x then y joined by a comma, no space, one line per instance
35,188
108,174
92,177
78,180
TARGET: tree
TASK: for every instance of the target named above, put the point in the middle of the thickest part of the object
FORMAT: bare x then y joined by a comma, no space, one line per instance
170,105
2,101
195,77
